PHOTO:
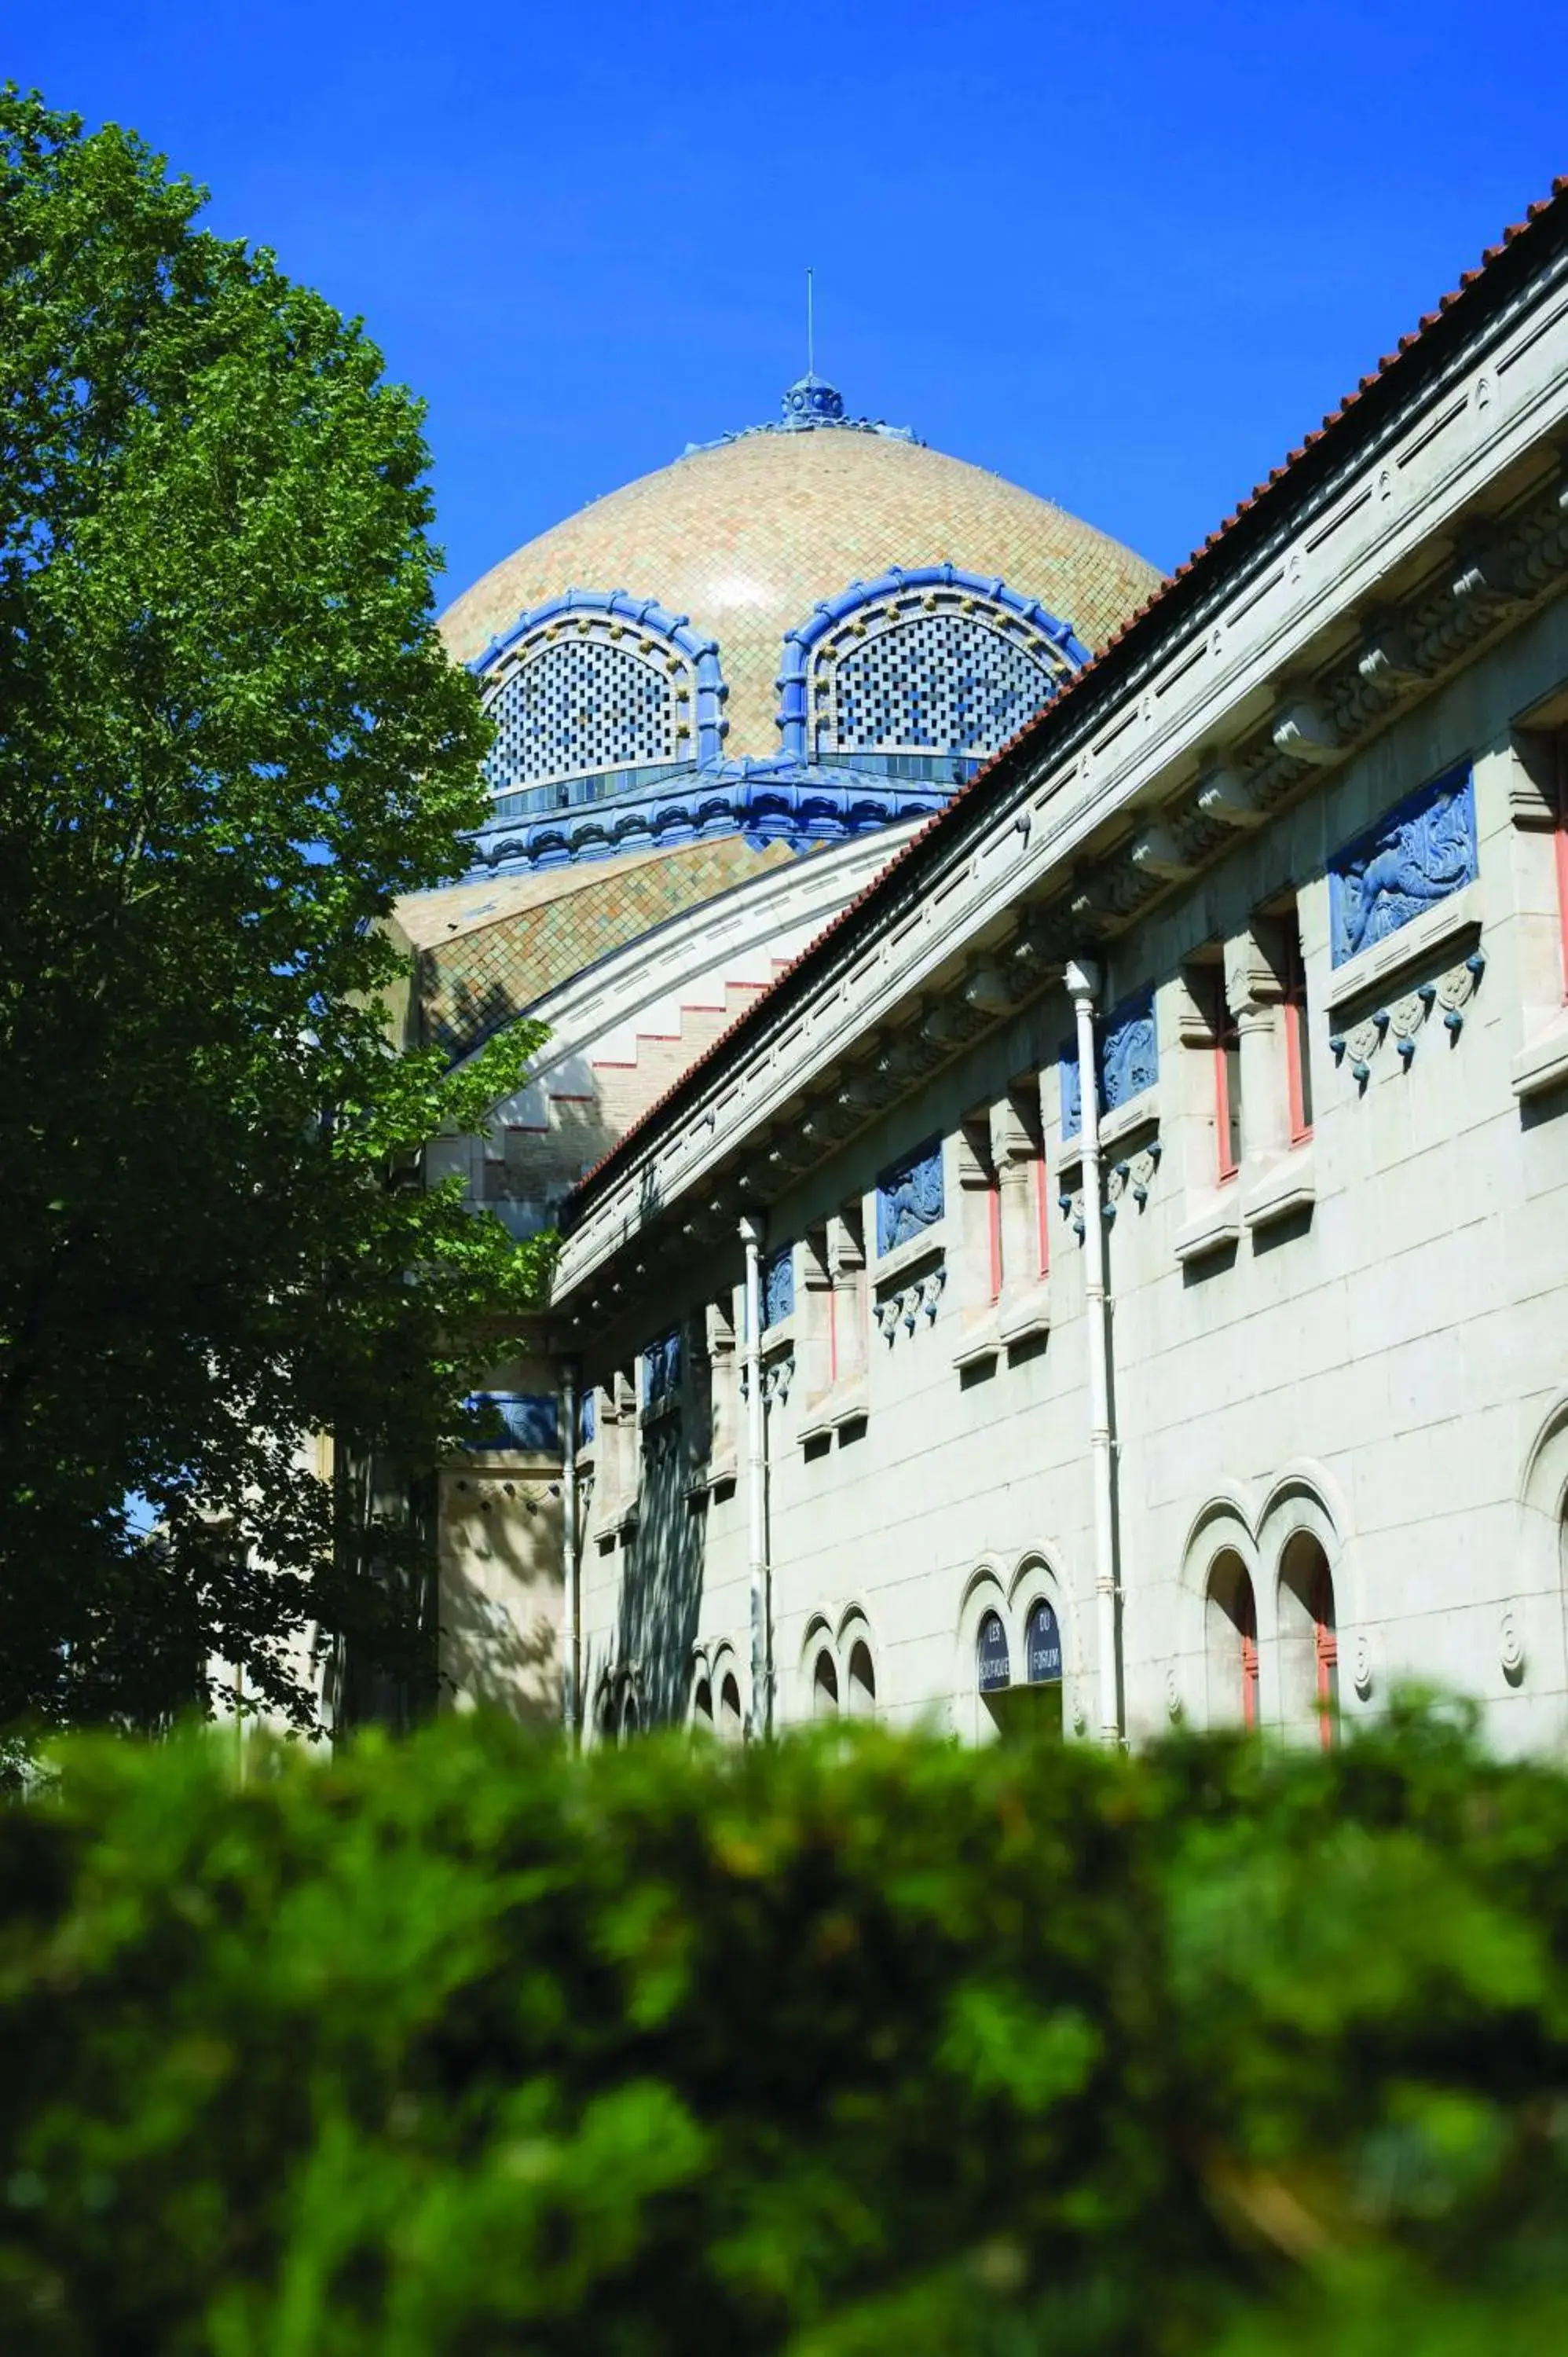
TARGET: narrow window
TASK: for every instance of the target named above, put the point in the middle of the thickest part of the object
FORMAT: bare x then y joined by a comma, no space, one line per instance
1298,1066
993,1237
1309,1639
825,1687
1232,1629
1325,1650
703,1708
861,1682
731,1726
980,1184
1227,1085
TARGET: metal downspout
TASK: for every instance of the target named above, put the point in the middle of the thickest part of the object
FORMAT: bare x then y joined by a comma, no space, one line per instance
761,1716
572,1606
1082,979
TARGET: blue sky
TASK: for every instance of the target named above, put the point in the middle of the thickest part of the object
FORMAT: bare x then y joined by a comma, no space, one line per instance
1126,258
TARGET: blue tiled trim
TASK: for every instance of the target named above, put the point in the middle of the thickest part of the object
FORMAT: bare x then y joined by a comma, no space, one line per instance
765,802
799,643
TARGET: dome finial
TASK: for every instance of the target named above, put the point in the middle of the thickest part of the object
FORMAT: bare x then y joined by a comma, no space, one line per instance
812,402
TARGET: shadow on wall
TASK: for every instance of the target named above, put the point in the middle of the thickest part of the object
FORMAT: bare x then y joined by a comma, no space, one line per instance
500,1597
662,1568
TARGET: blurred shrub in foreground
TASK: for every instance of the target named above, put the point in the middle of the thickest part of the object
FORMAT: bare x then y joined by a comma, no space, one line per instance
463,2047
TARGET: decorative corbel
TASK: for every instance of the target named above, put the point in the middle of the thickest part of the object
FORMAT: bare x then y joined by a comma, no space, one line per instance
1304,730
1157,854
1227,799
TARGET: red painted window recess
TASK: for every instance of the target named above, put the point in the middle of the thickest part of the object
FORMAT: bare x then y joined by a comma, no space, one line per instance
1326,1648
1298,1067
1227,1087
1247,1624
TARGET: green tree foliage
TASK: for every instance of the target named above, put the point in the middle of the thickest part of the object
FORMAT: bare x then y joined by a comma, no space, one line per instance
228,738
833,2049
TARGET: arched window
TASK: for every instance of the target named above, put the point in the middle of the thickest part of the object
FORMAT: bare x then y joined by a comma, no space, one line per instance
920,672
825,1687
703,1708
1309,1638
597,693
862,1681
1231,1631
731,1725
993,1666
631,1717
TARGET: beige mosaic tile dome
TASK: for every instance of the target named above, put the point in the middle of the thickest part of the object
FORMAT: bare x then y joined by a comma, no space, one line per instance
747,535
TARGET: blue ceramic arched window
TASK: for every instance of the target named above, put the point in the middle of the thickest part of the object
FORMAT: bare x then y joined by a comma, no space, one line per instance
594,693
924,671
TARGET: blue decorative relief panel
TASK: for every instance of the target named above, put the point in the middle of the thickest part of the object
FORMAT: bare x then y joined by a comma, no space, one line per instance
778,1288
1418,853
1129,1060
662,1370
909,1198
1072,1092
516,1420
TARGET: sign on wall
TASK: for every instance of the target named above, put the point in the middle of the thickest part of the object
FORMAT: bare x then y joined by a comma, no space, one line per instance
995,1669
1042,1646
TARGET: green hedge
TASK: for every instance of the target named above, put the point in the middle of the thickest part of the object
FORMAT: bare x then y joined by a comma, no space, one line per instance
461,2047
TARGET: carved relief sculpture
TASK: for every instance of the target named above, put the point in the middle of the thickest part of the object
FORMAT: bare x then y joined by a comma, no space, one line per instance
909,1198
1420,852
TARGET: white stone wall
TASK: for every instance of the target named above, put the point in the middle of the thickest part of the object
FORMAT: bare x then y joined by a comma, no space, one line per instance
1385,1366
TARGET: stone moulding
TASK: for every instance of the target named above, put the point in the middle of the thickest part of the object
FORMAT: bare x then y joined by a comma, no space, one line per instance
1433,928
1395,480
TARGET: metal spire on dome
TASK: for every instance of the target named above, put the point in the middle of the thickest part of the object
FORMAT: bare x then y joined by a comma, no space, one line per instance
811,400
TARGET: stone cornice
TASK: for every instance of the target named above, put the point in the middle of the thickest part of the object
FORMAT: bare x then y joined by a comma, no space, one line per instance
1275,657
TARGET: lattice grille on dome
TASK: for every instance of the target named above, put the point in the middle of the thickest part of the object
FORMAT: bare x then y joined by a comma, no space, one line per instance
956,675
573,701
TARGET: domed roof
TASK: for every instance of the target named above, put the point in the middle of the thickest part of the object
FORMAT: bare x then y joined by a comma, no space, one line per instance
747,535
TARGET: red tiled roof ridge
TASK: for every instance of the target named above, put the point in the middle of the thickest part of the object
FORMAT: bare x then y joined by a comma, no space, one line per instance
758,1012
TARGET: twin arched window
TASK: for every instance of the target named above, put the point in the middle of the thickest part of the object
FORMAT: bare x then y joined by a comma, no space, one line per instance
853,1696
1308,1641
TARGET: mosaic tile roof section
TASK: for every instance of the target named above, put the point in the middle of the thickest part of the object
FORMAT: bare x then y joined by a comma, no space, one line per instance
746,537
488,950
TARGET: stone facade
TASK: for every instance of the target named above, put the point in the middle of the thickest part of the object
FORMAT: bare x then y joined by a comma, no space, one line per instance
1298,847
